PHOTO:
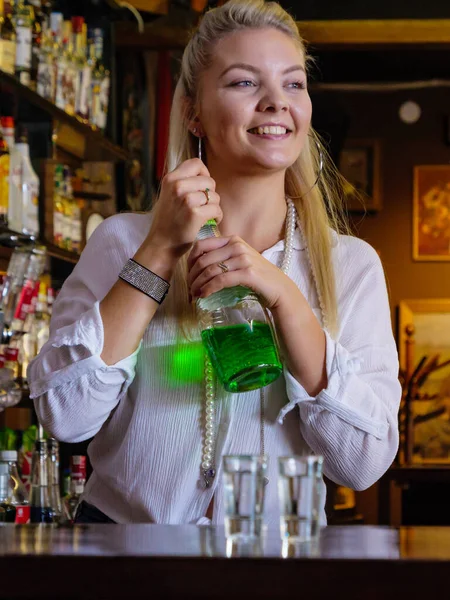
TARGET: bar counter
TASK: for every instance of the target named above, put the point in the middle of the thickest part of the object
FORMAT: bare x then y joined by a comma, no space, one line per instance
168,561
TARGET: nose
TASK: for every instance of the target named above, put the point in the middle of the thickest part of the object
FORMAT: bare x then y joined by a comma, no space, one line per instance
273,101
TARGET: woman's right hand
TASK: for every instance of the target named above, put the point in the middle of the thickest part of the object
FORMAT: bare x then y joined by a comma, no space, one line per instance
181,209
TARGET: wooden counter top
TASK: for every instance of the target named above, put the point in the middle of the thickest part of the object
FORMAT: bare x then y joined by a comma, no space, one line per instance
164,561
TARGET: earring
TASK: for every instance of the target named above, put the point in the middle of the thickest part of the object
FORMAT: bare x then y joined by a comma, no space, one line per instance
200,148
194,130
319,148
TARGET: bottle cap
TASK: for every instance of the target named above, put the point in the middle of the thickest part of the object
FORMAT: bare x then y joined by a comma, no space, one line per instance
52,444
77,24
11,354
8,455
40,446
7,122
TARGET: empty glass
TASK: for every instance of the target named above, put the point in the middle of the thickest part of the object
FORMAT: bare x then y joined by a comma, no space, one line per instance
300,493
244,495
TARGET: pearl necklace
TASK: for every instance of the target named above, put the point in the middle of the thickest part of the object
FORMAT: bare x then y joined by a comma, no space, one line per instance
208,470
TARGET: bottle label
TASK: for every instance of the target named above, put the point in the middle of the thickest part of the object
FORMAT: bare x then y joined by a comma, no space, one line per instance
85,89
22,515
7,56
30,215
25,468
46,81
4,185
23,47
70,87
24,303
57,227
103,103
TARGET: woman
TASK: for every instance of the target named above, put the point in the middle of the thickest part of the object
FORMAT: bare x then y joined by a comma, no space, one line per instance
128,370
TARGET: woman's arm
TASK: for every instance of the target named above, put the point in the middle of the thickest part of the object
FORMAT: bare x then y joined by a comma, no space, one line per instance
352,420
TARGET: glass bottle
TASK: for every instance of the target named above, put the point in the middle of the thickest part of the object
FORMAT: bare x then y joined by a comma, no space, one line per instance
4,180
12,285
23,203
76,488
7,38
36,40
100,83
53,478
238,335
46,75
13,495
24,19
40,506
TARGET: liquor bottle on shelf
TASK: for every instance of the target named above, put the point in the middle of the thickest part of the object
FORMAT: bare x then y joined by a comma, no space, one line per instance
24,18
40,506
100,83
41,322
13,282
14,503
77,483
53,478
7,38
4,180
36,40
46,75
30,288
84,102
23,214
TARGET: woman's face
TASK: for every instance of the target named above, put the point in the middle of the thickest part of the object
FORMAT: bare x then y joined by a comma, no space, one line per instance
254,108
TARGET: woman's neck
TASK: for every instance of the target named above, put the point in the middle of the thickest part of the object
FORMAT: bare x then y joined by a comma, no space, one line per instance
253,208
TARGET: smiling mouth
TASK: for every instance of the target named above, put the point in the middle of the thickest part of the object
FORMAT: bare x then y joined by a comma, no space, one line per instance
269,130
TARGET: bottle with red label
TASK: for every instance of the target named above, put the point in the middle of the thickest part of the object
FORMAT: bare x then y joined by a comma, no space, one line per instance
77,482
14,503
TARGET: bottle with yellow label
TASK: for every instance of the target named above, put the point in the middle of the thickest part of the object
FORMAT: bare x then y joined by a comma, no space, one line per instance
4,180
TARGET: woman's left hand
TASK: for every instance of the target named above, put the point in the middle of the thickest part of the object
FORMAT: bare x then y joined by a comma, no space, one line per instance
245,266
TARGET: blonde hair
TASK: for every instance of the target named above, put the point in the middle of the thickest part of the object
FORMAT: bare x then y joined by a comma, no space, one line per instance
318,206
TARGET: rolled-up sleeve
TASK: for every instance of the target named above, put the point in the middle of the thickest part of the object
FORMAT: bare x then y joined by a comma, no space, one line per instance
353,422
73,389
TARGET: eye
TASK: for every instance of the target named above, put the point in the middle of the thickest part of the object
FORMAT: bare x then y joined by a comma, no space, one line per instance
244,83
298,85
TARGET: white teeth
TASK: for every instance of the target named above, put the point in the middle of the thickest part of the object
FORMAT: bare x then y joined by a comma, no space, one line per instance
272,129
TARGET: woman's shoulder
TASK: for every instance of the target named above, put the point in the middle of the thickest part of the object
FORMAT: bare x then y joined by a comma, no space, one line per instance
350,251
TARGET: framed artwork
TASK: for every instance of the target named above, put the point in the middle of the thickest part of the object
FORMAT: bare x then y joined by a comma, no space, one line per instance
424,352
431,213
359,163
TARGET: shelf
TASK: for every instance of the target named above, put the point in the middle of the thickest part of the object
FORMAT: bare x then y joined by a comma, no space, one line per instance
92,196
65,255
94,138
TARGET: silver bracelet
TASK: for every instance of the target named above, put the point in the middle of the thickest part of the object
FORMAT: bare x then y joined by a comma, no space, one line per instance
144,280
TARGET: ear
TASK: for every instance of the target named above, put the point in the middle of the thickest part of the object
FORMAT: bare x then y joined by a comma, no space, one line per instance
192,120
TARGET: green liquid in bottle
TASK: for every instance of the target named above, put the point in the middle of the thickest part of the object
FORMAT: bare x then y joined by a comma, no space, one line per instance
244,356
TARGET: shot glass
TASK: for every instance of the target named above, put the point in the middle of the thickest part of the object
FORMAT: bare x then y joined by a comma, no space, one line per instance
300,495
244,496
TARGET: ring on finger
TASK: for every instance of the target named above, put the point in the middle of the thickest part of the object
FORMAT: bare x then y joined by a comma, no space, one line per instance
223,266
206,192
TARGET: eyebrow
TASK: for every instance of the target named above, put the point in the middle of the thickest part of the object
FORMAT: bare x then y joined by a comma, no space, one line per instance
253,69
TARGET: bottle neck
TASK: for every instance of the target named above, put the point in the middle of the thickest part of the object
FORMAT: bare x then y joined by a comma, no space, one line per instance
39,469
23,148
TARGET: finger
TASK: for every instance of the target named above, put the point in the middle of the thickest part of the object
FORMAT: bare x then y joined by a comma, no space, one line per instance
203,246
193,184
233,264
189,168
197,199
208,259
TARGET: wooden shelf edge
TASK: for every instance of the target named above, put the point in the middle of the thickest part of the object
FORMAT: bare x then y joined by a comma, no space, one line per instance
94,136
65,255
376,32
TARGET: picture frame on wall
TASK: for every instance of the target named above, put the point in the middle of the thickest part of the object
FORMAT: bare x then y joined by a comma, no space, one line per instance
431,213
360,164
424,354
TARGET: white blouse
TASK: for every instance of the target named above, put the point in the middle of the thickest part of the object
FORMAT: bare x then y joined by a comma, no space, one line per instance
145,411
